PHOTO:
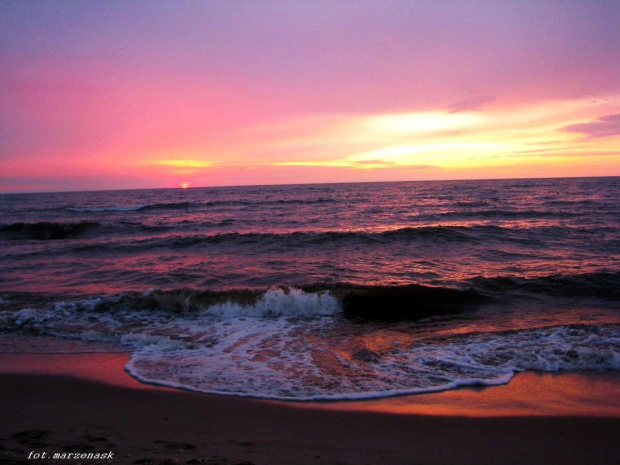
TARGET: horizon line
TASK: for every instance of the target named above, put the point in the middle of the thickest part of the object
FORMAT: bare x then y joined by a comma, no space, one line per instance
307,184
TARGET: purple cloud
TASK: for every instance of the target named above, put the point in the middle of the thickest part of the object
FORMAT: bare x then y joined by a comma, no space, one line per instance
471,103
605,126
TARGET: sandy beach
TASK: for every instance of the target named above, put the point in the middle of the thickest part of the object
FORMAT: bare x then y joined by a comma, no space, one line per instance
86,403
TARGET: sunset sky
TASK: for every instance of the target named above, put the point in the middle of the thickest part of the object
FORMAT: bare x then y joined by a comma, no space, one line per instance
137,94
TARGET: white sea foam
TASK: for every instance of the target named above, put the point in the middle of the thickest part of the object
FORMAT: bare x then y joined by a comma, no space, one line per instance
281,303
281,363
297,346
160,342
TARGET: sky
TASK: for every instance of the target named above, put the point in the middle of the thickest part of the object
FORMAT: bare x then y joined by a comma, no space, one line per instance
146,94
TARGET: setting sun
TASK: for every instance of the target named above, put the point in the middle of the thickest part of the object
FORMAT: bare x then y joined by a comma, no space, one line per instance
467,90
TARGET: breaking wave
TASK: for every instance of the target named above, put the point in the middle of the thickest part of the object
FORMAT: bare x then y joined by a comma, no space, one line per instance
293,344
358,303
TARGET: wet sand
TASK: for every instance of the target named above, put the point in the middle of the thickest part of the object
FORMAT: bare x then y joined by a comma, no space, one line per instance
86,403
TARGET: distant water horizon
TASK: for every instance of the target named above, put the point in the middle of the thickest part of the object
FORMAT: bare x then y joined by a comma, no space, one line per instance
322,291
180,187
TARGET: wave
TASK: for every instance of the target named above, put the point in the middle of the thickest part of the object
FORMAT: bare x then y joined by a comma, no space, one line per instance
477,234
190,205
170,206
131,208
135,208
306,238
472,203
47,230
510,214
601,285
252,203
357,302
272,303
367,303
570,203
401,303
354,302
387,303
307,201
297,346
502,214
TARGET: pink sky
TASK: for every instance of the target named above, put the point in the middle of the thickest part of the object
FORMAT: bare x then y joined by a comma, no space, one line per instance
134,94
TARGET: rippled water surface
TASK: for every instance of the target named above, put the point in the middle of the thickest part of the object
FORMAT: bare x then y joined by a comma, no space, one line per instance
323,291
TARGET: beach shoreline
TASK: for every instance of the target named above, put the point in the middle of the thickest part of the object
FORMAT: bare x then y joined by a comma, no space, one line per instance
527,394
87,403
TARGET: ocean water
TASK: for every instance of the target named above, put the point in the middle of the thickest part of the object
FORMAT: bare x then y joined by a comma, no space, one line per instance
320,292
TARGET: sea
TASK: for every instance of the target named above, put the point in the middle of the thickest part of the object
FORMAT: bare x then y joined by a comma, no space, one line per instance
320,292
